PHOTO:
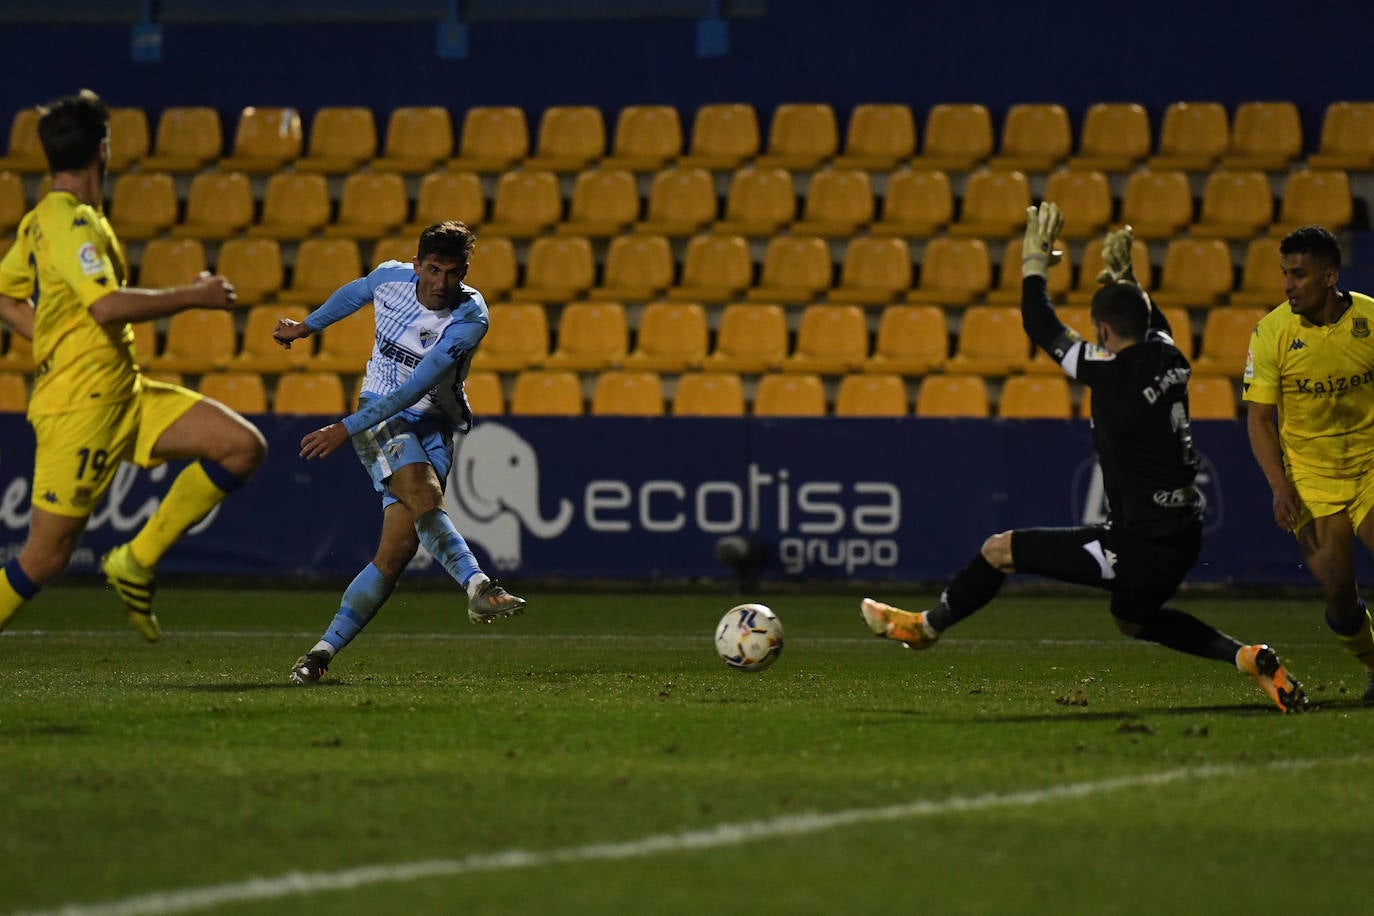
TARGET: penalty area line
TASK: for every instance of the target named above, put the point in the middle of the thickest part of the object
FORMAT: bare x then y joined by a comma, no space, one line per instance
188,900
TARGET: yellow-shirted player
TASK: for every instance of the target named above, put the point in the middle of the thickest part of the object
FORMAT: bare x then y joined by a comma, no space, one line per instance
1309,381
62,284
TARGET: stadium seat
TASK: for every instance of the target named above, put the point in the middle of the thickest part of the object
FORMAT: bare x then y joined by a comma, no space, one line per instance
493,138
260,353
991,341
540,392
952,396
526,204
838,202
18,355
796,269
1035,138
198,340
672,337
1077,317
1157,204
604,203
241,391
995,202
752,337
294,206
800,137
1236,204
12,203
709,394
724,136
571,137
911,340
917,203
321,267
878,137
1084,197
875,271
1211,397
266,140
1347,138
129,138
371,205
953,272
558,269
1261,278
484,394
342,139
218,205
877,395
957,138
170,262
1196,273
1225,341
492,270
832,340
14,392
188,138
1115,138
682,201
346,345
637,268
145,341
1265,136
1314,198
143,205
24,152
1092,265
1181,328
1193,137
445,195
517,339
795,394
715,269
395,248
418,138
592,336
1035,397
646,138
627,393
309,393
1008,288
760,202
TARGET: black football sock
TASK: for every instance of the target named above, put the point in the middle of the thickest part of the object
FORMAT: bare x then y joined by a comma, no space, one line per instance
1183,632
971,588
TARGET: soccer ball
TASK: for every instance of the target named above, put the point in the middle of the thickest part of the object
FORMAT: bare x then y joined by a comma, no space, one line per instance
749,637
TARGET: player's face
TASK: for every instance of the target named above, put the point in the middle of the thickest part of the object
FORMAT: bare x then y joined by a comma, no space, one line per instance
437,281
1307,284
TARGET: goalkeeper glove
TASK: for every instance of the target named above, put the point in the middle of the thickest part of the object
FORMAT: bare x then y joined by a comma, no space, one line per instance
1116,256
1037,248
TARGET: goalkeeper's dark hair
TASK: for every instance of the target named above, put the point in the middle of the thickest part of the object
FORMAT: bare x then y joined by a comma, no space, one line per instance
71,130
1320,243
1123,306
451,240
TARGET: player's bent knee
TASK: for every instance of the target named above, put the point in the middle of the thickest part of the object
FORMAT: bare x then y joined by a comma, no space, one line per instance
1127,627
997,551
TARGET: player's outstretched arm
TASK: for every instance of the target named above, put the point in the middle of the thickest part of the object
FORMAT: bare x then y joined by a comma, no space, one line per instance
289,329
18,314
323,442
208,291
1116,257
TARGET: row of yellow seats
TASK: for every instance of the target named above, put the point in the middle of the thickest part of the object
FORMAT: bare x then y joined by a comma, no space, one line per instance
1033,137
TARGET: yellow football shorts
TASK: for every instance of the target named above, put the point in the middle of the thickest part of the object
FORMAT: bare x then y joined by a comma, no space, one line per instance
78,452
1323,496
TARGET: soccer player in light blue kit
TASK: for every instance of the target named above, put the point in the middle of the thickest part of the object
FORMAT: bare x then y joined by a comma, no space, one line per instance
429,324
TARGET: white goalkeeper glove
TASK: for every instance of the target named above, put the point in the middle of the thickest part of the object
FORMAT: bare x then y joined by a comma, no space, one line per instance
1116,256
1037,248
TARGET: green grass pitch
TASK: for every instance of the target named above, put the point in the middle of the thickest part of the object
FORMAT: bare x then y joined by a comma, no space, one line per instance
594,756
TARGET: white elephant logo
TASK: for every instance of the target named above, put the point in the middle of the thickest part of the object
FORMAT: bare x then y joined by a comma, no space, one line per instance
494,489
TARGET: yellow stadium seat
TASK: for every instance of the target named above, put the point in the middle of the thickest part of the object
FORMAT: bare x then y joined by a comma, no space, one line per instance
918,203
709,394
682,201
143,205
309,393
715,269
1115,138
145,341
129,138
953,272
1236,204
875,271
294,206
991,342
446,195
526,204
592,336
1087,285
1196,273
953,396
1265,136
493,138
254,266
1347,138
672,337
1008,289
170,262
1157,204
198,340
260,353
371,205
346,345
218,205
14,393
878,137
795,394
1193,137
752,337
1077,317
759,203
571,137
18,356
838,202
604,203
647,137
627,393
1225,341
517,339
241,391
911,340
995,202
558,269
1035,397
1084,197
1261,279
1180,328
492,270
637,268
188,139
322,266
396,248
1035,138
266,140
24,153
957,137
832,340
877,395
12,203
541,392
484,394
342,139
1314,198
796,269
1211,397
418,138
801,137
724,136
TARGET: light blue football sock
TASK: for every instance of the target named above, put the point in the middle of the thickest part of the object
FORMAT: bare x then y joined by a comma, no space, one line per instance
446,545
362,600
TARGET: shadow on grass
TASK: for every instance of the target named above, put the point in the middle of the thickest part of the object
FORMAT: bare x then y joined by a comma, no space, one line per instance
1121,715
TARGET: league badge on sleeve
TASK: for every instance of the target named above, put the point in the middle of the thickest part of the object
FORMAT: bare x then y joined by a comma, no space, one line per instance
91,262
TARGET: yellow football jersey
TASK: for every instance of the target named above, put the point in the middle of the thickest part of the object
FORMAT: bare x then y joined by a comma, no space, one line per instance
1322,379
64,259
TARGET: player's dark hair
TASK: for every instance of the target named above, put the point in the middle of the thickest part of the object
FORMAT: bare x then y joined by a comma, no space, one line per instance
1320,243
71,130
1124,307
451,240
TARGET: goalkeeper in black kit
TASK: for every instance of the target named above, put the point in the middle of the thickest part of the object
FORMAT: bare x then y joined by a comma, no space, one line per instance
1139,384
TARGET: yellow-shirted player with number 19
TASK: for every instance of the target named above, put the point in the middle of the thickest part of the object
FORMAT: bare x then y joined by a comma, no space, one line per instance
63,285
1309,381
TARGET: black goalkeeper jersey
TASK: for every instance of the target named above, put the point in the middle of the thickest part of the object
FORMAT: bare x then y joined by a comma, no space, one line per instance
1139,414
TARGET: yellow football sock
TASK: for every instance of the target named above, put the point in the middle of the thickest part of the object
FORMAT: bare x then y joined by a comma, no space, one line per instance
191,496
1361,643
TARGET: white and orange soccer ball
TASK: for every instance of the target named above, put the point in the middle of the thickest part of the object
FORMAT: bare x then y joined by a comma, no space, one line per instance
749,637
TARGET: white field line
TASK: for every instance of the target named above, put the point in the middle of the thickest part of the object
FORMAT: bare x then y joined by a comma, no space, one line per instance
298,883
